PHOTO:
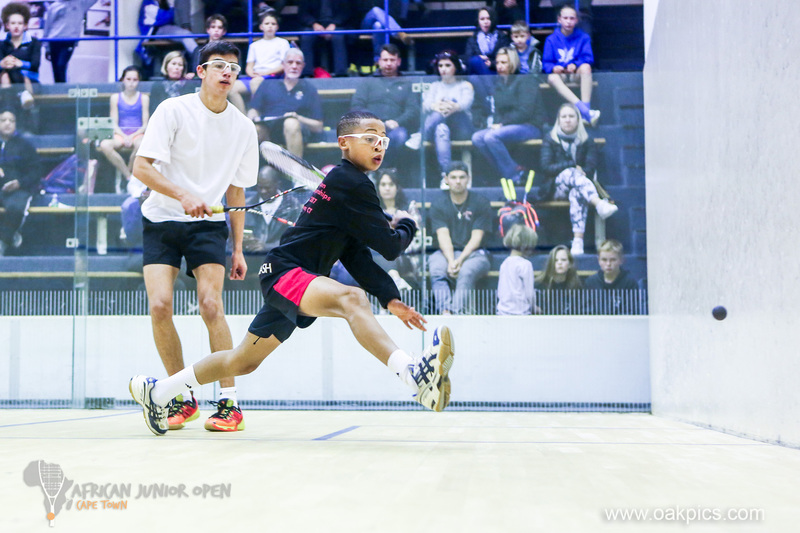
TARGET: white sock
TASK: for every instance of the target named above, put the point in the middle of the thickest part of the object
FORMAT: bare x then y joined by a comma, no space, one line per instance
401,364
166,389
229,393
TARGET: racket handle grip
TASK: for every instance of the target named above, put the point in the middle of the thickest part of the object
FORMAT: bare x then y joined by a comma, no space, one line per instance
217,209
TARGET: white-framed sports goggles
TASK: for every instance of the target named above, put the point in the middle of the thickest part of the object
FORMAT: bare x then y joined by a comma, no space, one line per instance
220,65
371,139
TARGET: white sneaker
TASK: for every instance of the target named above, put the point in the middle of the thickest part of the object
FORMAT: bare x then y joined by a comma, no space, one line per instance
16,241
26,99
155,416
430,371
605,209
577,247
415,141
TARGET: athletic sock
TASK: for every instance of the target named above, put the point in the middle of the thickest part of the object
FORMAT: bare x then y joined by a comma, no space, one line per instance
166,389
229,393
402,365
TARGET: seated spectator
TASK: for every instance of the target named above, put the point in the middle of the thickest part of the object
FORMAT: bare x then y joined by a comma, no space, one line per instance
482,47
461,219
530,59
64,19
558,284
216,28
377,19
19,179
405,268
612,277
569,161
447,106
20,52
235,11
175,83
568,56
129,112
390,97
263,233
517,111
265,56
322,16
157,17
585,15
515,292
287,111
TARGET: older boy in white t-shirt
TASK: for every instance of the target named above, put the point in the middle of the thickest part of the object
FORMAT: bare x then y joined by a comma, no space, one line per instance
196,149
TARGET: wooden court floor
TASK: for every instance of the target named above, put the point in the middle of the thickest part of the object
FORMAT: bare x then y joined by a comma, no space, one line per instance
387,471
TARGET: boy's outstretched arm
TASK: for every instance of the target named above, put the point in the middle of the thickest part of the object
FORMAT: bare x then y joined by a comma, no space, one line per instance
408,315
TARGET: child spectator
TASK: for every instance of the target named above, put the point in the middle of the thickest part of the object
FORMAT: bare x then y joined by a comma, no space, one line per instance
558,284
530,59
515,294
64,19
129,112
176,83
568,56
447,106
611,275
20,52
569,161
265,56
216,28
517,111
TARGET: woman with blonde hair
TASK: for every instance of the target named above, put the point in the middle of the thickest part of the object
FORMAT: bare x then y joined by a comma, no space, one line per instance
175,82
569,162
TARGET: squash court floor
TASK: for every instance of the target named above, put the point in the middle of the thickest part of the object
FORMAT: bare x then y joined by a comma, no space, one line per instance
389,471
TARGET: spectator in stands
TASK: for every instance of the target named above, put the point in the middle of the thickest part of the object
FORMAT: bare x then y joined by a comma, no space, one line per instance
447,106
265,56
482,47
393,199
323,16
568,56
236,11
461,219
569,161
517,111
216,28
376,18
263,233
158,17
611,275
558,283
19,179
129,112
515,292
20,52
287,111
64,19
584,12
389,96
530,59
175,83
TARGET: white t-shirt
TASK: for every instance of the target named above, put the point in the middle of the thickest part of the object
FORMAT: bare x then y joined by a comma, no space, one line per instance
202,151
267,54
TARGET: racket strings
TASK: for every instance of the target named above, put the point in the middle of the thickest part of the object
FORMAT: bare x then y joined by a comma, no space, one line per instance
51,476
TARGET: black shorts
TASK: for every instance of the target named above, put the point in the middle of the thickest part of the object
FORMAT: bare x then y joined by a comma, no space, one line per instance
200,242
282,292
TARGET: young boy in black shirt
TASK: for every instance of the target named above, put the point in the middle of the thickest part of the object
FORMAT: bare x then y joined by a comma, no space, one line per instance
341,220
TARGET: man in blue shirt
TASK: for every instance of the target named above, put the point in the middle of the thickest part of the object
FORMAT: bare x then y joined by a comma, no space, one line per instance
287,111
568,56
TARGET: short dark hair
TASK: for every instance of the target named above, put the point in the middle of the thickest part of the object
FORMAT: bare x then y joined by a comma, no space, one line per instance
15,8
220,47
130,68
269,12
458,165
391,48
216,16
352,120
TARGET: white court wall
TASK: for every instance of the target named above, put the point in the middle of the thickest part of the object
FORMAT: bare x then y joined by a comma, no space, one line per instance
508,359
723,195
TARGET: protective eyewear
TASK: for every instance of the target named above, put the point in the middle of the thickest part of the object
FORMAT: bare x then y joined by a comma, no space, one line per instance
371,139
220,65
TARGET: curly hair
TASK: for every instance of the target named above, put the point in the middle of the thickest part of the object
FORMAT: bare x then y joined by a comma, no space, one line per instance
15,8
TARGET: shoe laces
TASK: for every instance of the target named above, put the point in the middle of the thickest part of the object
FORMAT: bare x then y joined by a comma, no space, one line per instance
224,408
176,407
